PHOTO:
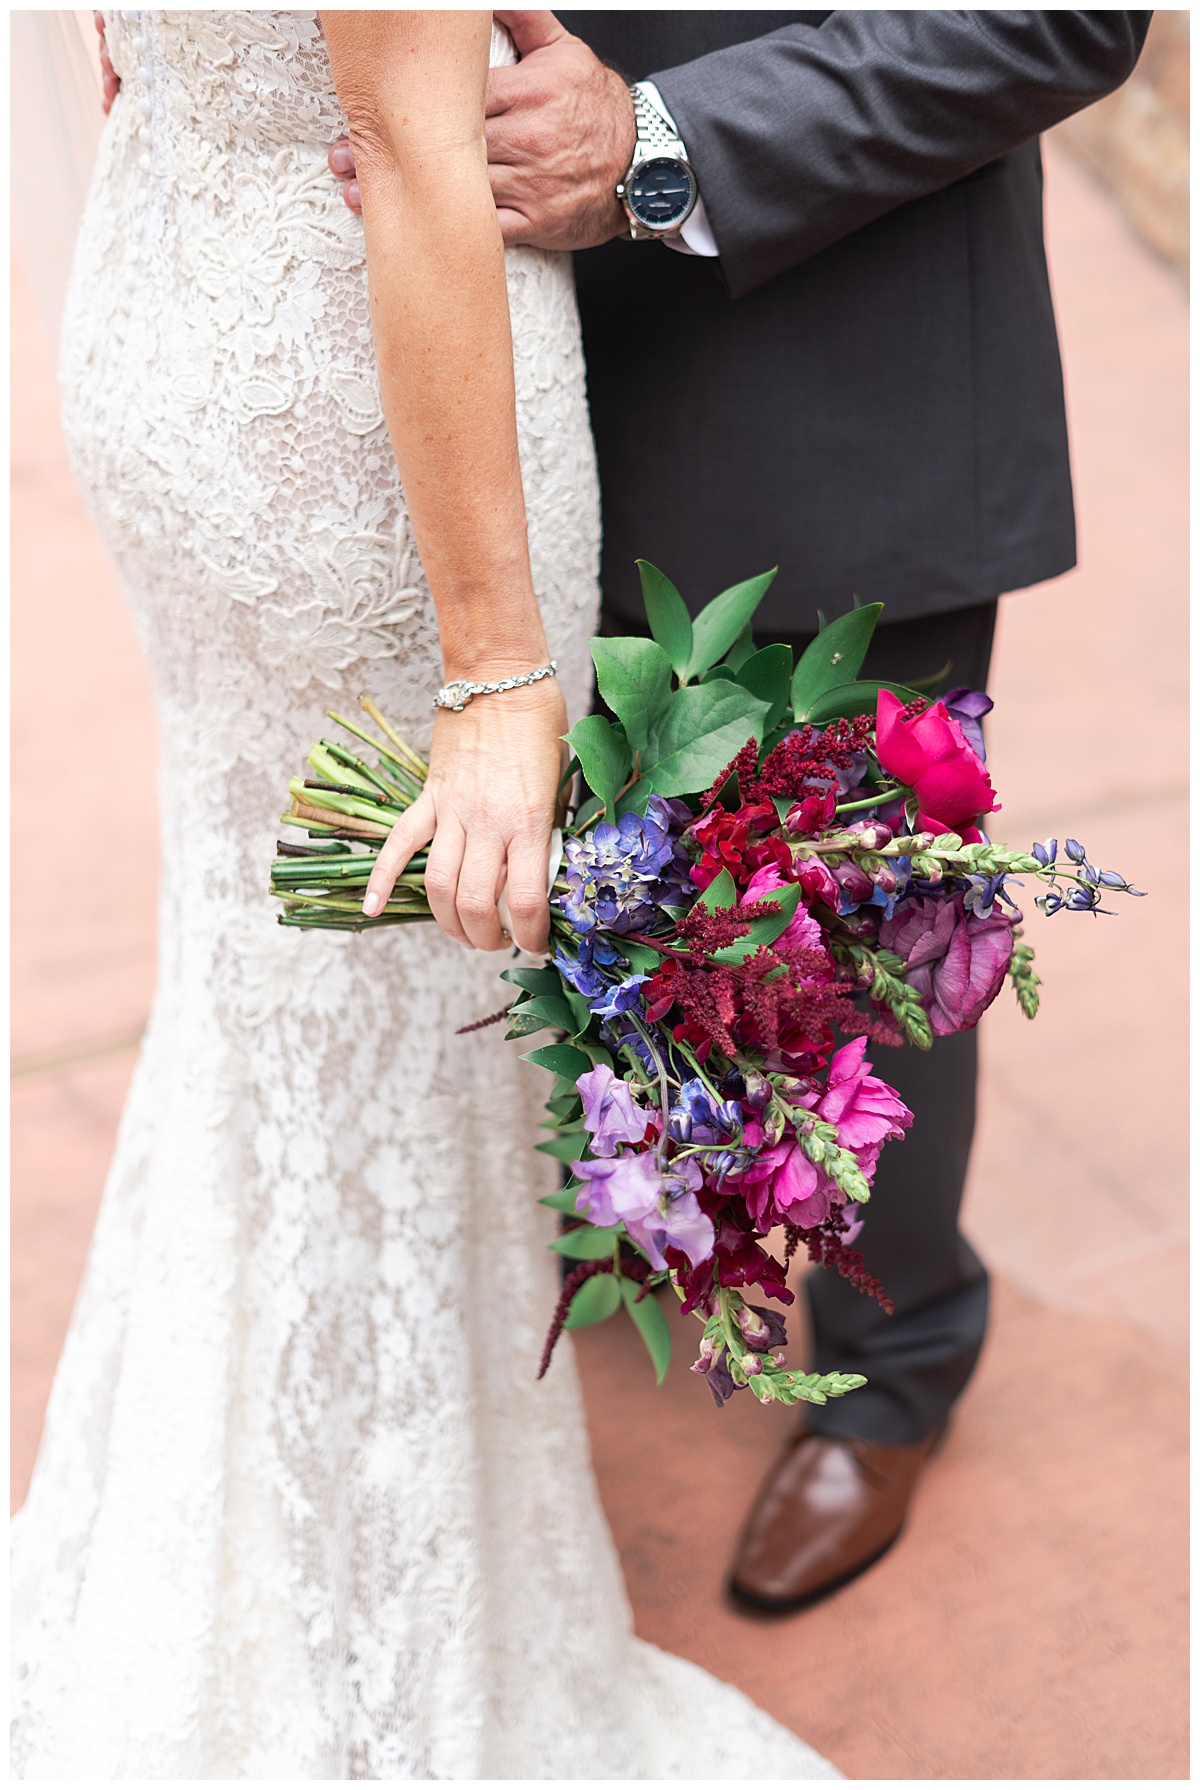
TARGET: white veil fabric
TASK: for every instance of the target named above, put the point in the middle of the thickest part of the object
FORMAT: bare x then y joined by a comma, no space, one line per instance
56,121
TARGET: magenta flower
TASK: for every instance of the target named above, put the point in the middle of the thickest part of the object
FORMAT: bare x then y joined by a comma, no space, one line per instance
930,754
956,961
609,1112
866,1111
782,1186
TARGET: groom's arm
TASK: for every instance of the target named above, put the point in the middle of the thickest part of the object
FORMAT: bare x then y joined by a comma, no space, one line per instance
803,135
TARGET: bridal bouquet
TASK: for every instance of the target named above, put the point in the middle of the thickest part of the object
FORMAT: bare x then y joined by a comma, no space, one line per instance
763,856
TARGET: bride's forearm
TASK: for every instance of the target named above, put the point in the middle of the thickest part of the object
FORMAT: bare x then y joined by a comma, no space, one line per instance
412,86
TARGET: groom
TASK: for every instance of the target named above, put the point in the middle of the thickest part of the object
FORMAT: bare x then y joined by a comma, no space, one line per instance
843,360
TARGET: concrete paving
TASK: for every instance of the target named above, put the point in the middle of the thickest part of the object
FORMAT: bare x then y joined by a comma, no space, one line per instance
1032,1623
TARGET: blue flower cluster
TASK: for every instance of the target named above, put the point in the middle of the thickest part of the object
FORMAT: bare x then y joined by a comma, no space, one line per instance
619,877
698,1117
1090,883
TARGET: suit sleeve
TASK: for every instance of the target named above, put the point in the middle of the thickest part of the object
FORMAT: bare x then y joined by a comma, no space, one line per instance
805,134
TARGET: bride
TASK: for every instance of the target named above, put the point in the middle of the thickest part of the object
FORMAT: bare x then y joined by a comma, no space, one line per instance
301,1510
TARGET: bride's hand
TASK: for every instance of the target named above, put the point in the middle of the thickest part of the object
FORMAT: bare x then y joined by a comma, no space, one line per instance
488,807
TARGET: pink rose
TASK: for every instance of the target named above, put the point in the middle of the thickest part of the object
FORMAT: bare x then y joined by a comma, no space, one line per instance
955,960
930,753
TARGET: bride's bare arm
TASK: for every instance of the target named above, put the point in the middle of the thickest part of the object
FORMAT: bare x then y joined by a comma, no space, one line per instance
412,87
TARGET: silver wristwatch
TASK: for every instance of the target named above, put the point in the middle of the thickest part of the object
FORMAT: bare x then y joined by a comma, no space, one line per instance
659,192
457,694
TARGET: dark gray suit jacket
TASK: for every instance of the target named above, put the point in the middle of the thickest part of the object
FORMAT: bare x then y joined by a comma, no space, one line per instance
866,388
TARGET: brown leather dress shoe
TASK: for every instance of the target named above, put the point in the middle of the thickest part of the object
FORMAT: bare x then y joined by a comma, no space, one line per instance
829,1509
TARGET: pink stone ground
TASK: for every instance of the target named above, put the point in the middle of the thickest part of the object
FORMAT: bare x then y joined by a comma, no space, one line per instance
1032,1623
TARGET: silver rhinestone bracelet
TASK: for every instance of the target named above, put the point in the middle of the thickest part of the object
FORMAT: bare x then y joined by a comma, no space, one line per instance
458,693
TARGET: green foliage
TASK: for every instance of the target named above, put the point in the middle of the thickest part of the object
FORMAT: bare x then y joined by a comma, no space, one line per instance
888,987
721,622
563,1200
640,958
604,756
705,725
768,675
765,931
652,1326
667,616
1025,979
634,678
848,700
551,1009
588,1242
535,981
834,657
720,893
564,1059
522,1025
597,1299
741,650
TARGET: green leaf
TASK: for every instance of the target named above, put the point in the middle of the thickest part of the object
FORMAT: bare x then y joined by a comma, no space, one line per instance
536,981
640,958
720,622
763,932
854,699
588,810
563,1059
768,675
521,1025
634,678
563,1200
567,1148
720,674
742,649
563,1106
636,798
597,1299
704,727
834,657
580,1011
666,613
655,1331
720,893
603,754
588,1243
551,1009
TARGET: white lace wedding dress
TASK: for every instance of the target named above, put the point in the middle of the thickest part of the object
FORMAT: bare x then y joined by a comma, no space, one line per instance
301,1510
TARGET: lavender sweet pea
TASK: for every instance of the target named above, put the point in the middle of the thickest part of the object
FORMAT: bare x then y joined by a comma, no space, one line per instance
658,1209
610,1113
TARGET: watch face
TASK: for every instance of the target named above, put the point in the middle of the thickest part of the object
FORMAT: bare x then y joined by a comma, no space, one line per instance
660,193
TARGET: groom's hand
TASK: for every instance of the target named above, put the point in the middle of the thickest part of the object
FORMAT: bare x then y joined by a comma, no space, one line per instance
560,135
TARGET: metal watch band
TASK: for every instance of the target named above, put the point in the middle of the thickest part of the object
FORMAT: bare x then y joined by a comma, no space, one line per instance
654,134
654,137
458,692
